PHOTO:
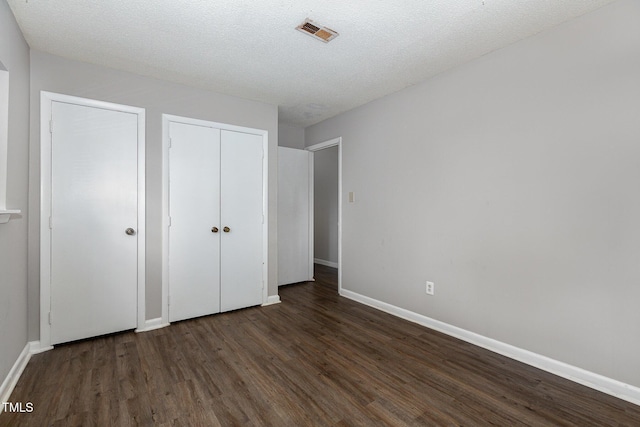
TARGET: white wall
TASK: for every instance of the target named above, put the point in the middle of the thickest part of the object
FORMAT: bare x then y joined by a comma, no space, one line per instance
290,136
14,54
325,205
513,183
55,74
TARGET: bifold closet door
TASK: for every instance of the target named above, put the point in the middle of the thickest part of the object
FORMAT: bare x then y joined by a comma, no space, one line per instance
242,212
194,235
216,220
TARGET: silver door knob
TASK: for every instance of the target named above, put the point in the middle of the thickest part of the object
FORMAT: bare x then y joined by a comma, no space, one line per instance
130,231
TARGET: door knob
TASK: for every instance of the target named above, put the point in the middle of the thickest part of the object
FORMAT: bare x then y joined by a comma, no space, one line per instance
226,229
214,229
130,231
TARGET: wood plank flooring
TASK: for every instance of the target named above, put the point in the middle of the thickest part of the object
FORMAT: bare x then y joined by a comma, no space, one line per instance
316,359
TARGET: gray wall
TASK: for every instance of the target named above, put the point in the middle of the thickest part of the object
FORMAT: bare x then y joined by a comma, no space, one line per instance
14,55
290,136
325,204
512,183
55,74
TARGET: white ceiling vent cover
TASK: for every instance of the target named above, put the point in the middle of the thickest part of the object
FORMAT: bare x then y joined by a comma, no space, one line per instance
317,31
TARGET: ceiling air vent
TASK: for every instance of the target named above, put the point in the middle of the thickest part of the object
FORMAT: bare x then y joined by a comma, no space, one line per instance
316,31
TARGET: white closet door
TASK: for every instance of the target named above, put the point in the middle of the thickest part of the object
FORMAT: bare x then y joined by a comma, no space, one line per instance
93,203
295,262
194,208
242,212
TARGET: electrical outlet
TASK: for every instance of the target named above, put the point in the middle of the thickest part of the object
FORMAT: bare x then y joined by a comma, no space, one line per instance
431,288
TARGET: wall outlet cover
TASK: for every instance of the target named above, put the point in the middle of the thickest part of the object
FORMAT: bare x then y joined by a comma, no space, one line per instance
430,288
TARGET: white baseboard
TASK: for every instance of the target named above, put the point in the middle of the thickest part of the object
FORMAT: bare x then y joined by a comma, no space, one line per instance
272,299
14,374
151,324
35,347
325,263
598,382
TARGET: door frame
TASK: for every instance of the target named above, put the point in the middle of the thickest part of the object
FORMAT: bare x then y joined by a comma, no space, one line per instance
46,100
166,221
313,148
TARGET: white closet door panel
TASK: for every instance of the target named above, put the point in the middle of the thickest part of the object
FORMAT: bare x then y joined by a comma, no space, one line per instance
194,208
93,201
294,258
242,212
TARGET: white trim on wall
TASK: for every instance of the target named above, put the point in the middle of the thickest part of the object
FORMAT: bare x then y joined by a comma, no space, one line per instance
14,374
325,263
151,324
166,119
581,376
36,347
317,147
9,383
273,299
312,214
46,99
4,133
5,214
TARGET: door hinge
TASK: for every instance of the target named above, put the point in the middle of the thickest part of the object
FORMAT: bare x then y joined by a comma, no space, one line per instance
51,126
170,142
50,224
49,317
263,218
169,221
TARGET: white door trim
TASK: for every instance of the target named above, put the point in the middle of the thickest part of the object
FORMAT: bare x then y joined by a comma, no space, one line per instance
46,99
311,214
317,147
166,119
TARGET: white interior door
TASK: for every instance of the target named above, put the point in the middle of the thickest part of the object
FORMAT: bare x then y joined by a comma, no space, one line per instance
194,208
242,212
295,262
94,196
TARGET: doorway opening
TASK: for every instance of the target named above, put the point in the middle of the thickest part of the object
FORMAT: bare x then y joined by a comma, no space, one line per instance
326,224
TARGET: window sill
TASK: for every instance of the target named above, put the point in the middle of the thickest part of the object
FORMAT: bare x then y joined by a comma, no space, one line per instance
6,214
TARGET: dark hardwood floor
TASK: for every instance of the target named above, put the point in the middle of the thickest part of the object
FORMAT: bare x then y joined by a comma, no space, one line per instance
316,359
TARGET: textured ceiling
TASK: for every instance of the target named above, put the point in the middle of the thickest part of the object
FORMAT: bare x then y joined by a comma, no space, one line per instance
250,48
